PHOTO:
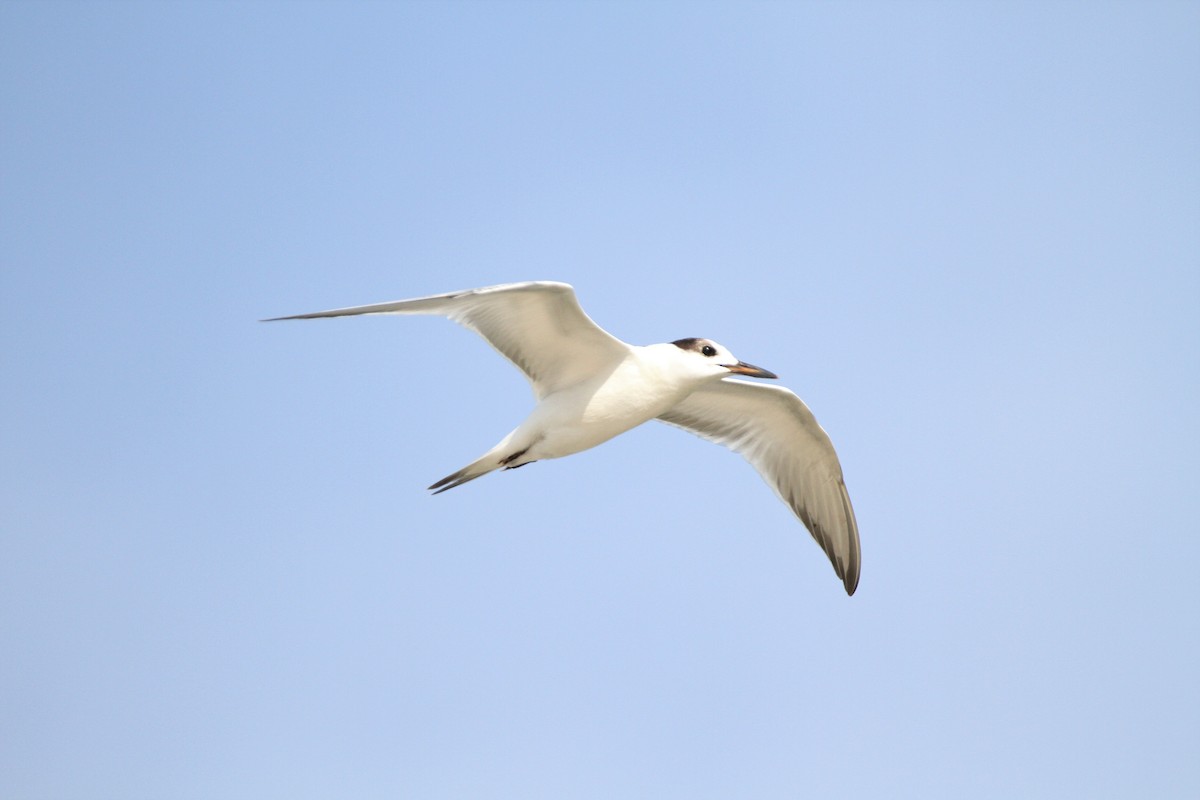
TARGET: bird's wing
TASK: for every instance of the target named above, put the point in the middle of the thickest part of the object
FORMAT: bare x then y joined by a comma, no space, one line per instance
772,428
537,325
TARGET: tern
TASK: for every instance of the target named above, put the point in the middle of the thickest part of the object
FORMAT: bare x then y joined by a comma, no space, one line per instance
591,386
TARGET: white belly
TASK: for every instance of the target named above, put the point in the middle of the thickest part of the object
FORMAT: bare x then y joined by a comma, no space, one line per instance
582,417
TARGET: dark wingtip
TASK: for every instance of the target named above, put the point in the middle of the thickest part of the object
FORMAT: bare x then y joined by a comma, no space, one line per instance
293,316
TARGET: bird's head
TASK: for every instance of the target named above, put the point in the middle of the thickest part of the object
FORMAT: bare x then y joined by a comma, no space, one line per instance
706,358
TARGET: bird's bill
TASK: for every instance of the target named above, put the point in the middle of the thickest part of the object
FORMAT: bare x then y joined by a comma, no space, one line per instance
742,368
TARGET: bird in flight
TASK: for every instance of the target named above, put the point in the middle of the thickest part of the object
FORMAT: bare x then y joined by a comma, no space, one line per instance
591,386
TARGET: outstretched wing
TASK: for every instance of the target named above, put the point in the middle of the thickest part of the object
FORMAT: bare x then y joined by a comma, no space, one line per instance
772,428
537,325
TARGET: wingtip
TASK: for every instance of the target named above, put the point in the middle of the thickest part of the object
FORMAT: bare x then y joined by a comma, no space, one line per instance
291,316
849,570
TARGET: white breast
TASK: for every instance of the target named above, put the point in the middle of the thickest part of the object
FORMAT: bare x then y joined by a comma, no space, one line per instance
637,390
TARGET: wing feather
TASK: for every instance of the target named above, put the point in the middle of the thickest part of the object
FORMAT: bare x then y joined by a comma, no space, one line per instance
774,430
538,325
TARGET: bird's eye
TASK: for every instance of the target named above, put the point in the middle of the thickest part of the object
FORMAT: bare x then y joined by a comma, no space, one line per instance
708,350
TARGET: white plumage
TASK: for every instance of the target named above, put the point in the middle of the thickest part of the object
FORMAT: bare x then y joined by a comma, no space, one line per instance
591,386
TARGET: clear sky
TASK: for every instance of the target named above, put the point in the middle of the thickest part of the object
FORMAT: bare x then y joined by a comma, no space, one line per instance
968,234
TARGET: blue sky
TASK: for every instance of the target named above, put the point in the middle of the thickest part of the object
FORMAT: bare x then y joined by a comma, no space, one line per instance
967,234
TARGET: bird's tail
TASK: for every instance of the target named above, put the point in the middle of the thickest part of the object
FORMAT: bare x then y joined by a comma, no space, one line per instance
504,455
468,473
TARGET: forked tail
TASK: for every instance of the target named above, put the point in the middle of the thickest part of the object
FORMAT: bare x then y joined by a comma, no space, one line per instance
488,463
464,475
